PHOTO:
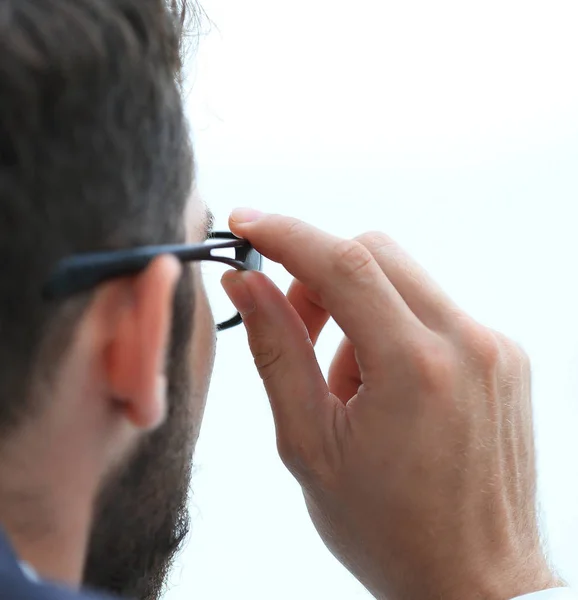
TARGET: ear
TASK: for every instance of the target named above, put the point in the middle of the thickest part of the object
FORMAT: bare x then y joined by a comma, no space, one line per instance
140,313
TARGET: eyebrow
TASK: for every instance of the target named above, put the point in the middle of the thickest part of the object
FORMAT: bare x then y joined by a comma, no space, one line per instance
209,224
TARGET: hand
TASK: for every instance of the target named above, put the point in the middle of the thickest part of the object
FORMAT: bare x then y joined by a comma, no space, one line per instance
416,457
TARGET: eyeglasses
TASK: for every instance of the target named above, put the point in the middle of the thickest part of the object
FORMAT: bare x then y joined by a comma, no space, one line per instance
82,272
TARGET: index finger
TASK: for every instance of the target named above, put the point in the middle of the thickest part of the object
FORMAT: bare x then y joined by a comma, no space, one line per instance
354,289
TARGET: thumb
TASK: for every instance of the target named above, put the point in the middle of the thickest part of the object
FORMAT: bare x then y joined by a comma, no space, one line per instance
303,408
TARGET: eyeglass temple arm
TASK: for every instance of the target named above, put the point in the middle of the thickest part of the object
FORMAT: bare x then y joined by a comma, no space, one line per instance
81,272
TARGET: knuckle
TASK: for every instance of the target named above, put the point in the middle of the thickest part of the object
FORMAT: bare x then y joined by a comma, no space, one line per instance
307,462
434,365
267,362
481,343
374,240
295,227
512,350
351,257
315,459
524,358
296,455
266,353
284,448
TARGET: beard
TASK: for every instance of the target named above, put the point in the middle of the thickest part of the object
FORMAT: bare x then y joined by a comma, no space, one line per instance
141,517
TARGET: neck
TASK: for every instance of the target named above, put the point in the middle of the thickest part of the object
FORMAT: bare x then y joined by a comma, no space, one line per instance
53,547
46,510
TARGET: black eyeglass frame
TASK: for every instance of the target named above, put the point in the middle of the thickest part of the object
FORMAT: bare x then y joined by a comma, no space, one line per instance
82,272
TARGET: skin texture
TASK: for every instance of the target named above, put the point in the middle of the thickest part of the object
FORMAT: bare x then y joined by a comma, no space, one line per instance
416,457
142,517
94,487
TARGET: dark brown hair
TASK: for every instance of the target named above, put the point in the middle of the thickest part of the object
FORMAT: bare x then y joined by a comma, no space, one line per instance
94,155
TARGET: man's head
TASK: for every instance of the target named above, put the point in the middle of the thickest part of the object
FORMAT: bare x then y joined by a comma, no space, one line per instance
95,155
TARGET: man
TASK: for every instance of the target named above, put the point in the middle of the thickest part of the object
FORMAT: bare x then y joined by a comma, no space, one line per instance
415,458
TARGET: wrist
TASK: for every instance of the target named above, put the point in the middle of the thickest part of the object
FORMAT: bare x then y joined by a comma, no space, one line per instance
509,583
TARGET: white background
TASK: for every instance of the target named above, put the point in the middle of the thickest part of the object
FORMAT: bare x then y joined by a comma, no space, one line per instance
451,125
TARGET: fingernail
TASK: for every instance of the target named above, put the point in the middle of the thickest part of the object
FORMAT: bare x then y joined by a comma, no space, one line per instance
246,215
239,293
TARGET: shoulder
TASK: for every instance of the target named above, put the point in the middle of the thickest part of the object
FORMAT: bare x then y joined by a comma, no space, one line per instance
18,582
18,587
